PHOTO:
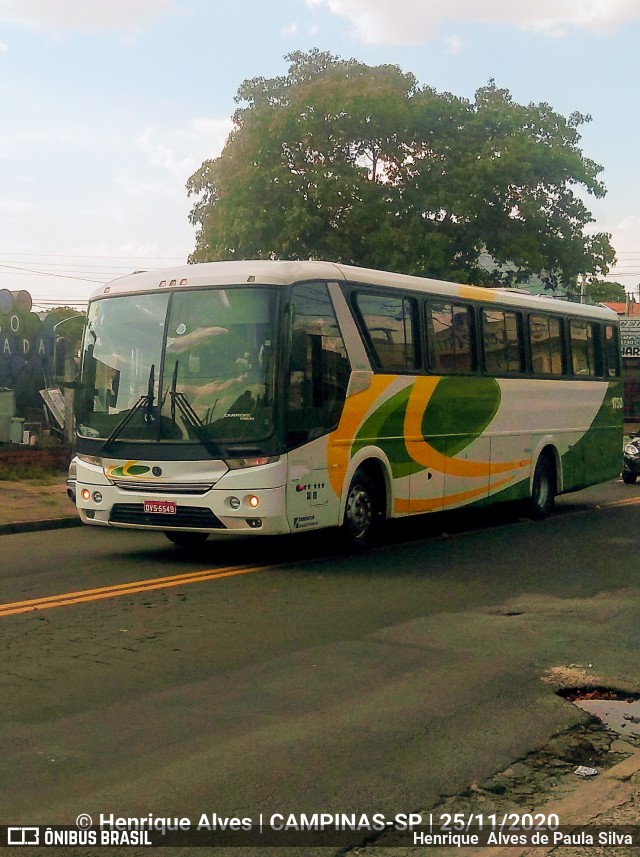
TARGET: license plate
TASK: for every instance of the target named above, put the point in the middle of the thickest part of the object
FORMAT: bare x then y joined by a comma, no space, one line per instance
160,507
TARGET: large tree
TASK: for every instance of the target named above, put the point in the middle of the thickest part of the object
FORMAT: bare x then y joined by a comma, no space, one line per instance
358,164
598,291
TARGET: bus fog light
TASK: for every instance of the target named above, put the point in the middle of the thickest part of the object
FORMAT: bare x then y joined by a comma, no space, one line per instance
254,523
253,501
97,497
234,502
85,494
90,513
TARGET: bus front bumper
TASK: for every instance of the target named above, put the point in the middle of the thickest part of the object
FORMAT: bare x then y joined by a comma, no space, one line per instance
220,512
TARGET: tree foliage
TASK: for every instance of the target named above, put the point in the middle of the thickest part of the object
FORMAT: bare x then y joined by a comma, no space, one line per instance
358,164
598,291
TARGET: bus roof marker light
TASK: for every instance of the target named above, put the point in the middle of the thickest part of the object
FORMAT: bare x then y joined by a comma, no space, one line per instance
162,284
183,281
173,283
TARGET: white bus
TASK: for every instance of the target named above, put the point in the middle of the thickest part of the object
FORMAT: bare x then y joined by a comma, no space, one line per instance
266,397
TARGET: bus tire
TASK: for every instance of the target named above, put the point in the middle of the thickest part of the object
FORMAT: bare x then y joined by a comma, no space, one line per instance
363,513
543,490
629,478
186,540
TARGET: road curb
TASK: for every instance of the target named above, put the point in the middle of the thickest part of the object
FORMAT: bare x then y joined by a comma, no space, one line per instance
582,806
36,526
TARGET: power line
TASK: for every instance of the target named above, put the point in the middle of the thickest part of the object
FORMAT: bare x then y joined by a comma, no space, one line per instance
100,256
82,265
98,269
49,273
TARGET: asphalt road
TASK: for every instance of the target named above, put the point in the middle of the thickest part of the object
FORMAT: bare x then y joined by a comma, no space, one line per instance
282,676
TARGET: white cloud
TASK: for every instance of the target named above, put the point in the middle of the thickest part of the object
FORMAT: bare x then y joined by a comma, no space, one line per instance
290,30
16,207
414,21
453,45
181,153
59,15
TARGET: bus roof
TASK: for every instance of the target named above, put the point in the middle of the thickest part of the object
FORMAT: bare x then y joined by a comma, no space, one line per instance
284,273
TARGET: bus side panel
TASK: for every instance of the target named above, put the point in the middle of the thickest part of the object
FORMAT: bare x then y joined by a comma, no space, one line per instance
597,455
374,425
456,441
311,502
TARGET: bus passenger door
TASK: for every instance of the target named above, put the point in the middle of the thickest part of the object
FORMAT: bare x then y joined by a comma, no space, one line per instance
315,391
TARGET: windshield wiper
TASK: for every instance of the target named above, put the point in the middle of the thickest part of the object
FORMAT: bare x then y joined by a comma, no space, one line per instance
174,381
149,398
189,415
143,402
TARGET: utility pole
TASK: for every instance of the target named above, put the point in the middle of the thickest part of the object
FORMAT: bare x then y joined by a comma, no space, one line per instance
582,284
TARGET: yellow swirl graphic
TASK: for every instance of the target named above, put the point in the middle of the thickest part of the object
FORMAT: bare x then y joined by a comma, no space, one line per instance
436,504
339,449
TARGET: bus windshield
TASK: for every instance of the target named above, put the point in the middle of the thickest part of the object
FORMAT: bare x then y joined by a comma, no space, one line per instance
190,367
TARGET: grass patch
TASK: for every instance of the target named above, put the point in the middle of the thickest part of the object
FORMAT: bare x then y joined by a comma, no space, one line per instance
38,465
26,471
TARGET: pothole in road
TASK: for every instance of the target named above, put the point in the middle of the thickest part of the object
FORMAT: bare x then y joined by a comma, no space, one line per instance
539,775
548,773
531,782
618,710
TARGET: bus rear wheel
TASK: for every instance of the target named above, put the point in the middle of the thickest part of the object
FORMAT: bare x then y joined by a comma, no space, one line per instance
363,514
186,540
543,491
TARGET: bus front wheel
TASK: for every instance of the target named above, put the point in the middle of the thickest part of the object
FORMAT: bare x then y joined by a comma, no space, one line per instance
186,540
363,514
543,491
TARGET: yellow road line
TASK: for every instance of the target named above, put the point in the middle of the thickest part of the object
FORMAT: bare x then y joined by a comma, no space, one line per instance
630,501
139,586
118,590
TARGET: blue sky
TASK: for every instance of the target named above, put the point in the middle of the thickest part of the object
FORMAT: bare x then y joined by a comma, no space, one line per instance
107,107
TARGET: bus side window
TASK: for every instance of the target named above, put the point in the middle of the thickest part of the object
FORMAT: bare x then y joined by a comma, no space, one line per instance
545,342
583,348
388,324
502,341
612,349
318,372
449,337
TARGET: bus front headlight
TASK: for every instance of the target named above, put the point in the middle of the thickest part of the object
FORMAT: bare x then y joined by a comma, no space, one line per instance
250,461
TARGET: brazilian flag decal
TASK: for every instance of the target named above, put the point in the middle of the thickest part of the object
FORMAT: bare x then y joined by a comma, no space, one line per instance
129,469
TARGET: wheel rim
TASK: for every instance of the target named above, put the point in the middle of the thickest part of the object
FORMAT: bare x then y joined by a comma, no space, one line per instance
541,490
359,514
